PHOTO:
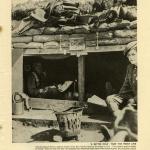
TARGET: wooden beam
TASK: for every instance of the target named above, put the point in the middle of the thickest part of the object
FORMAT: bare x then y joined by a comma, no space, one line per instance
56,104
17,70
81,78
110,48
114,48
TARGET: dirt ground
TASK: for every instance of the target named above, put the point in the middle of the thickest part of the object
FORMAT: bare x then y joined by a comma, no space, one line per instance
30,134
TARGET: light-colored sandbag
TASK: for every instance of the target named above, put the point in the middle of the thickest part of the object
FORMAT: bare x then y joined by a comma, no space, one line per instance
49,38
33,32
119,25
22,39
93,36
103,27
35,45
125,33
67,29
50,30
43,38
133,25
19,45
81,29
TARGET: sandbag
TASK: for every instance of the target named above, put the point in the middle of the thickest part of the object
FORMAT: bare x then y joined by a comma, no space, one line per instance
125,33
67,30
43,38
33,31
47,38
101,35
22,39
133,25
119,25
50,30
35,45
19,45
103,27
81,29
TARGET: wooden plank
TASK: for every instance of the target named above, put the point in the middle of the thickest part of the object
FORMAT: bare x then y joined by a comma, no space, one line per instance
81,78
56,104
17,70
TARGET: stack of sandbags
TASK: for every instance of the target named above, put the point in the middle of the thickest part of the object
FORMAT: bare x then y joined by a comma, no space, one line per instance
113,37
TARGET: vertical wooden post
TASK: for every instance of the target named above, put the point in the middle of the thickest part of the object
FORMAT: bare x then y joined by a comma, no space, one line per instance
81,78
17,70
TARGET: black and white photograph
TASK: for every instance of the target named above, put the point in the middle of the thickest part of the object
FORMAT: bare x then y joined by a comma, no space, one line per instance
74,71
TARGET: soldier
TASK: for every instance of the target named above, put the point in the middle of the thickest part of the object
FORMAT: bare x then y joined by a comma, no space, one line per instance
37,84
128,92
124,101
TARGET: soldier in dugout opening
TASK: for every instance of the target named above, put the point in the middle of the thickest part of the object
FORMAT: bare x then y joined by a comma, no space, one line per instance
37,83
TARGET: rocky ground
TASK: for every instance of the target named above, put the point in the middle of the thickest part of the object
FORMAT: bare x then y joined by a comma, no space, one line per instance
30,134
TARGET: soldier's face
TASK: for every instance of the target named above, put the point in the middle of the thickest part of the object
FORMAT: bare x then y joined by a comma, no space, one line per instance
38,68
132,56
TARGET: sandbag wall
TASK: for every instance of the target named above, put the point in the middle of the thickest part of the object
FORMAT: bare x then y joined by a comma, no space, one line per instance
54,40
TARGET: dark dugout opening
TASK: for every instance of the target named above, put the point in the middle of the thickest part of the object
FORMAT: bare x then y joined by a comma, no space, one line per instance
58,68
104,72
